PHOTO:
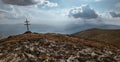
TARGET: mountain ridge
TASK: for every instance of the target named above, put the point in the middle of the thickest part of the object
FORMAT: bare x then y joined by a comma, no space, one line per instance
51,47
105,35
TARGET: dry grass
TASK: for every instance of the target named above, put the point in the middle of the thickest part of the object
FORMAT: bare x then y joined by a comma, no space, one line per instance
51,37
107,36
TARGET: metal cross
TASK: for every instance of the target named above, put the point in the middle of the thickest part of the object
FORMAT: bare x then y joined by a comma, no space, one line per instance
27,24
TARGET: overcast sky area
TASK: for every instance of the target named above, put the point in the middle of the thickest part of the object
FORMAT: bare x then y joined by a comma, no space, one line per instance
60,12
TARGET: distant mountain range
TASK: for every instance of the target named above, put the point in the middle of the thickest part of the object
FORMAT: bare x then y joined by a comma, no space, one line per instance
78,28
13,29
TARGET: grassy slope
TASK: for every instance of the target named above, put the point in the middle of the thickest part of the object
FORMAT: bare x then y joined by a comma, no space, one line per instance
105,35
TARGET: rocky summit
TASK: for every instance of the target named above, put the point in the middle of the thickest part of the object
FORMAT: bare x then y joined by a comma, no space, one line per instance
34,47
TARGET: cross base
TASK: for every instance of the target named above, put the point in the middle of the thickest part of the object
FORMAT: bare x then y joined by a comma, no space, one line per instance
27,32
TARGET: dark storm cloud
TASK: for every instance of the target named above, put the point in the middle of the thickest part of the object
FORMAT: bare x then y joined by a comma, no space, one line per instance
85,13
114,14
20,2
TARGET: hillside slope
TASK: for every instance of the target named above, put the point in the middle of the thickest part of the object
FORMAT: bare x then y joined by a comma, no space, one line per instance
33,47
105,35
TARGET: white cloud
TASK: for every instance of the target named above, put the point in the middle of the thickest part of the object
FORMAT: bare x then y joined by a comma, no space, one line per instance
98,0
84,12
50,4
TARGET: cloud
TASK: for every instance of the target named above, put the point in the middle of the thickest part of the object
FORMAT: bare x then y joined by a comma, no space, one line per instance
117,5
98,0
9,17
30,2
5,7
114,14
92,0
2,12
84,12
21,2
37,16
50,4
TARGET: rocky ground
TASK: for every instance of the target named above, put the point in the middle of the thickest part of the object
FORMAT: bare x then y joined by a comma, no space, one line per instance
53,48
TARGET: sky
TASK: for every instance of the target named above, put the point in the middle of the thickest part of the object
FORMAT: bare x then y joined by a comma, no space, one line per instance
60,12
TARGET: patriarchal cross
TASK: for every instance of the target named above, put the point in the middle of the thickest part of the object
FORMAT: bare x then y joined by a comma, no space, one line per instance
27,24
